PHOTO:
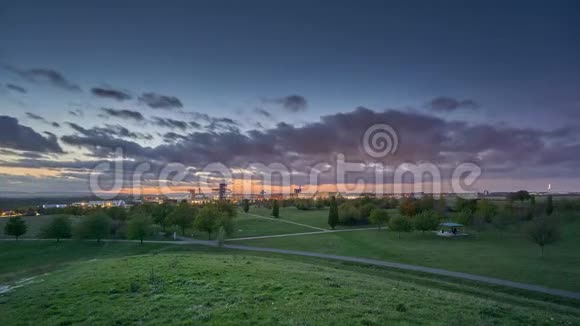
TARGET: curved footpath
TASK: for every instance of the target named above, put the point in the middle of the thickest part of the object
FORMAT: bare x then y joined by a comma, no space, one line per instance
428,270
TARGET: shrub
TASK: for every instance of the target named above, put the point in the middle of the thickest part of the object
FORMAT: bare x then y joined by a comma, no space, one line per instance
348,214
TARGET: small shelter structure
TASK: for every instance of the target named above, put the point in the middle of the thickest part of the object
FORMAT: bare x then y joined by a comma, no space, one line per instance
451,229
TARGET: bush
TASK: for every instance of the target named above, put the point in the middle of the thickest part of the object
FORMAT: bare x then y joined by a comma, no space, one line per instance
348,214
366,210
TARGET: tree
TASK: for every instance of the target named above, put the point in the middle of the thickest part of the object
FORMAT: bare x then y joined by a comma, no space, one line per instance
95,226
408,207
59,227
486,209
117,213
183,216
160,214
426,221
379,217
246,206
207,220
275,209
549,205
15,227
543,231
520,195
400,224
465,216
221,236
333,213
140,226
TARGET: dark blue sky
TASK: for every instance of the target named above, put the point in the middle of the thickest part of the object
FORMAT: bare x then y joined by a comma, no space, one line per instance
517,60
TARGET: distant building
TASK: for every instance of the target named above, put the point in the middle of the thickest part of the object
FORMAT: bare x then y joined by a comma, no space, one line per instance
101,203
49,206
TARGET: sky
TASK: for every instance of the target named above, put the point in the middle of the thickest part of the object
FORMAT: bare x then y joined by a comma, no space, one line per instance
492,83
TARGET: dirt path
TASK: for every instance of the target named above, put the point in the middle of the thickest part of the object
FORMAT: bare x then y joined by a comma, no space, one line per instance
297,234
285,221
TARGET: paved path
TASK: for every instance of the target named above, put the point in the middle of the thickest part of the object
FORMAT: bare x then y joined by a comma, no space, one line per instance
428,270
298,234
285,221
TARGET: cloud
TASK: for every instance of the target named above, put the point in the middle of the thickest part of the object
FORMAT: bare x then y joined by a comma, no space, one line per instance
213,123
157,101
262,112
47,76
108,131
76,113
292,103
450,104
15,136
33,116
115,94
169,123
123,114
16,88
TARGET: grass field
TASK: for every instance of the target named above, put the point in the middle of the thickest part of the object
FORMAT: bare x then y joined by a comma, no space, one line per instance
120,283
504,254
315,217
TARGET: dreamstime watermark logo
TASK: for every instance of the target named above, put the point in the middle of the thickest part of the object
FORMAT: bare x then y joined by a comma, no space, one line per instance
379,141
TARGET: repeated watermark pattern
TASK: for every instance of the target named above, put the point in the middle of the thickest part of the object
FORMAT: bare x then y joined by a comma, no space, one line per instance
378,142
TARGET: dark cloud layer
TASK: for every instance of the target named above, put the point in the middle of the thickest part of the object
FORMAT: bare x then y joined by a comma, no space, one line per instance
422,138
450,104
16,136
115,94
158,101
122,114
48,76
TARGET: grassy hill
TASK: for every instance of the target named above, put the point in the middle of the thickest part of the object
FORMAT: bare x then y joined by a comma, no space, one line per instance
159,284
